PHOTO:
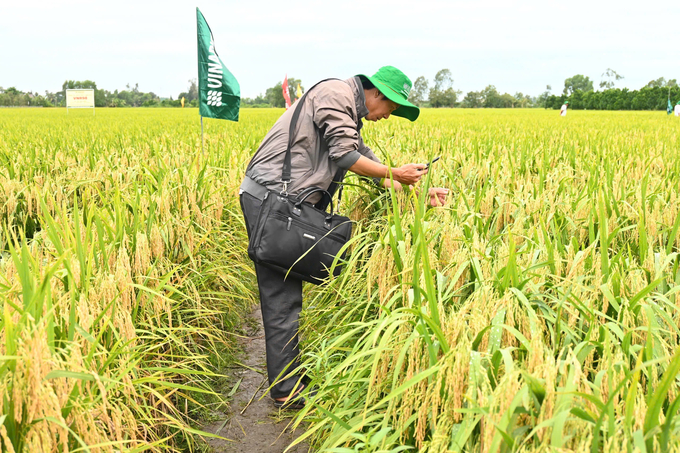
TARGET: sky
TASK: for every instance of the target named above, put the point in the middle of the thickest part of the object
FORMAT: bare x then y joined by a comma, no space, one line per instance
515,46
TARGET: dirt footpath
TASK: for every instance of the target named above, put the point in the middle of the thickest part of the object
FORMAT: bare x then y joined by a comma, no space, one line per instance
255,425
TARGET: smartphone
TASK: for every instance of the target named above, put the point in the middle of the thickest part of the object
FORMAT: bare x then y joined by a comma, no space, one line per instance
432,161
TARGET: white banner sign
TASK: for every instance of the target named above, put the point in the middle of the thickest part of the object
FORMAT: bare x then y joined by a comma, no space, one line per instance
79,99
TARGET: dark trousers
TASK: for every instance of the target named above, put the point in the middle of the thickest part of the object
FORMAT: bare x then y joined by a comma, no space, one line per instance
281,303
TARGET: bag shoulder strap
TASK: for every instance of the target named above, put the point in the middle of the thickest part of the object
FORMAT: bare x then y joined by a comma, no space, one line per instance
287,166
337,182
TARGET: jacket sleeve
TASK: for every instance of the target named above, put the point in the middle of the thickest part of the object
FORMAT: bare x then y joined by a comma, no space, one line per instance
334,116
366,151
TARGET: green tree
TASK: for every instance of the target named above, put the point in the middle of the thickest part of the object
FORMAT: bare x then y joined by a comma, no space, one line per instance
292,88
661,82
507,101
99,95
577,82
611,78
54,98
117,102
420,91
274,95
491,97
473,100
258,101
13,97
443,94
79,84
555,102
522,100
191,93
193,90
543,98
133,97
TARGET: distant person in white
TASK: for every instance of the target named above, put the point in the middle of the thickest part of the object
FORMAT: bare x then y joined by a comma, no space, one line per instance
677,109
563,110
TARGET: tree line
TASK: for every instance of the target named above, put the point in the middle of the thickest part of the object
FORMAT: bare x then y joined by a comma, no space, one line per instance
443,94
273,97
132,96
578,90
129,97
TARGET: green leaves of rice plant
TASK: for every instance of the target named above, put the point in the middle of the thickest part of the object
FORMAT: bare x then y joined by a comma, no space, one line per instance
537,311
544,295
115,275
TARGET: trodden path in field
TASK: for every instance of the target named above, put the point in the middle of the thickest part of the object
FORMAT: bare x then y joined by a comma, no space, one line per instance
255,425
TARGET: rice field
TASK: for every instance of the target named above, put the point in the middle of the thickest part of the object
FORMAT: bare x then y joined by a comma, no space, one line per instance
538,311
121,278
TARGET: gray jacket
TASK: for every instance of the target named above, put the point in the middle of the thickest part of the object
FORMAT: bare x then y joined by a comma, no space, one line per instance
328,137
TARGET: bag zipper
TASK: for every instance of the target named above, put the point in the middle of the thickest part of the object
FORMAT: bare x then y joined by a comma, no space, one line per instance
324,233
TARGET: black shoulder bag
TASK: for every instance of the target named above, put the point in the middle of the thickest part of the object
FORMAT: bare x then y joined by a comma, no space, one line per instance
294,236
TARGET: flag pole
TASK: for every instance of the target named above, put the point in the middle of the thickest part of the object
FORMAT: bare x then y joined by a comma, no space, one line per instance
202,139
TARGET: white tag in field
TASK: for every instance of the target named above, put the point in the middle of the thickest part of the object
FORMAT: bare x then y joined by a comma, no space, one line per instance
309,236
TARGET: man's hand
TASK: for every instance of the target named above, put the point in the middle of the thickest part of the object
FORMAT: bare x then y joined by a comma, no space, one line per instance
438,196
409,174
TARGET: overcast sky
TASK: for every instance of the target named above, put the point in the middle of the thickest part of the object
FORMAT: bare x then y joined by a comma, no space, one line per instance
516,46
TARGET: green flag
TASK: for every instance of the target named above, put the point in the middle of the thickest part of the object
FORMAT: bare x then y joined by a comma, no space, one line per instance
669,109
219,95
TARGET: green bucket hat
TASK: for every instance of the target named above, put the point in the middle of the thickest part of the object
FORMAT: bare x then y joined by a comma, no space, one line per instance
396,87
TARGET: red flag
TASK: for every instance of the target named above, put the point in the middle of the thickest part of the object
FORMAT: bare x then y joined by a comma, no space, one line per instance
286,95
